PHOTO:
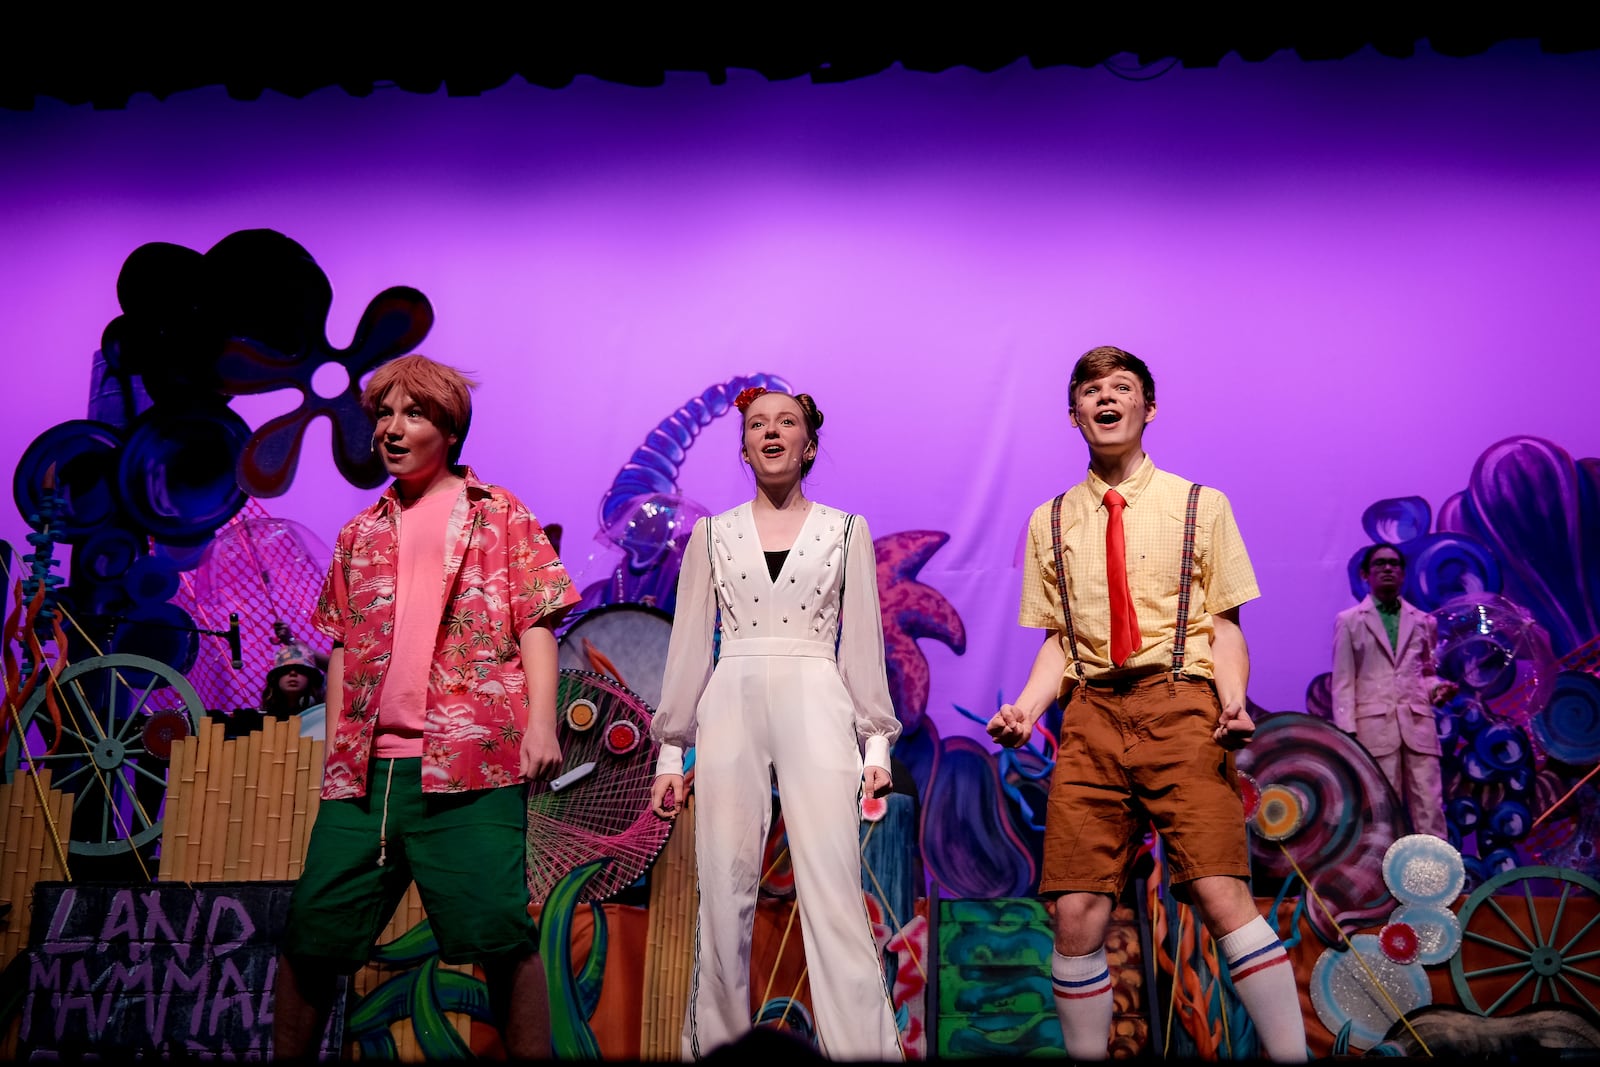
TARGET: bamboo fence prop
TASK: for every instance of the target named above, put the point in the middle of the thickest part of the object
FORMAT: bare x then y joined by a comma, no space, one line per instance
241,809
669,942
28,856
266,751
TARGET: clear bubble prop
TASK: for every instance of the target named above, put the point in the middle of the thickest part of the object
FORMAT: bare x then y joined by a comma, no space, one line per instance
654,526
268,556
1491,647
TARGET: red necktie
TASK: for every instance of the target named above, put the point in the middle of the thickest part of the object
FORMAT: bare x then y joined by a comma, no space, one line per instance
1125,636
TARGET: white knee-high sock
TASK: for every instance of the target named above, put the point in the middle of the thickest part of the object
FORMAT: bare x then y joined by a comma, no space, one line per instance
1260,970
1083,1003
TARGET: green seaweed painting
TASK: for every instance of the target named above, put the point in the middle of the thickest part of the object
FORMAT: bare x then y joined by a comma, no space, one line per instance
423,992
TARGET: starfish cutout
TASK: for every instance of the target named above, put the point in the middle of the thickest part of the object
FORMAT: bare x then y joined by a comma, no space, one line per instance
910,611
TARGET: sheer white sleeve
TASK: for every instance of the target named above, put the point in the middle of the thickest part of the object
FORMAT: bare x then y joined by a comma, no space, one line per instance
688,654
861,650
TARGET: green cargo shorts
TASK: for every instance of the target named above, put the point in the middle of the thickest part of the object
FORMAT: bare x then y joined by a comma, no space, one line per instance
466,852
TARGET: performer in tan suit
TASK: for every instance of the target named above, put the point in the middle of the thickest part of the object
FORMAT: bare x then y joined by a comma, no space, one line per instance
1385,687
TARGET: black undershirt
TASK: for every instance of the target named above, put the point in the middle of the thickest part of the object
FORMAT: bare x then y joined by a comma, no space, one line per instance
775,561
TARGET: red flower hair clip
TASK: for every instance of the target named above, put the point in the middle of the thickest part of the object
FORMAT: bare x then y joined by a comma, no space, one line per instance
747,397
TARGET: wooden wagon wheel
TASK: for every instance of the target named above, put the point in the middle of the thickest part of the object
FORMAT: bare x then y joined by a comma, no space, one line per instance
113,747
1533,959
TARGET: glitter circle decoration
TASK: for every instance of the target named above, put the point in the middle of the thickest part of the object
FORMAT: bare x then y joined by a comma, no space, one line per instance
1279,814
1342,990
581,715
1423,869
1437,929
622,736
1399,942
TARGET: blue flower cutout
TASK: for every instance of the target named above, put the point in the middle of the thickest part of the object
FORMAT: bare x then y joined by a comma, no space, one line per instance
1438,565
394,323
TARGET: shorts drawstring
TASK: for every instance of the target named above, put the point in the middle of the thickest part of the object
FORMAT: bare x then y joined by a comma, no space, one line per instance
383,825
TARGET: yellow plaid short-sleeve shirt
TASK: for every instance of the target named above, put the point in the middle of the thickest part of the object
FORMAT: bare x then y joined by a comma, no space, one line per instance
1153,529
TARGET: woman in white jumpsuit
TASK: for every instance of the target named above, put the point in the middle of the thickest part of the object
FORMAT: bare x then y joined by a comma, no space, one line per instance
784,572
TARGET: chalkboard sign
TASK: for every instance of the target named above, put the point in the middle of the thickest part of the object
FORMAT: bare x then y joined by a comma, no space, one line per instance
173,970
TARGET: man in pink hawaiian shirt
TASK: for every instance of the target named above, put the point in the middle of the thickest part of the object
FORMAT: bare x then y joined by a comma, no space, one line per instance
441,701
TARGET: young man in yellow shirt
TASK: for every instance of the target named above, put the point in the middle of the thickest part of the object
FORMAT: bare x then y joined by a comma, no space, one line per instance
1150,670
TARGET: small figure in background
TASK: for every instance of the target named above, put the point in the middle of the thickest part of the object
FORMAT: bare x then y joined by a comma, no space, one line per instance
1385,686
285,637
294,683
294,686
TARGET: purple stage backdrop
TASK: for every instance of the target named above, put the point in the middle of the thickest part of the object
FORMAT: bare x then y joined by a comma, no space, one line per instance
1350,279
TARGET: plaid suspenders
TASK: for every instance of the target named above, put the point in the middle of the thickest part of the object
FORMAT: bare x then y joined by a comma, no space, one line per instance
1180,636
1185,581
1061,582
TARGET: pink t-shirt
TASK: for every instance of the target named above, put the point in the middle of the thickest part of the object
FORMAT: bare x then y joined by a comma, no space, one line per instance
419,606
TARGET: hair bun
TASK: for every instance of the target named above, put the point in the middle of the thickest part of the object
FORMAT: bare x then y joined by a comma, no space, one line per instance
812,412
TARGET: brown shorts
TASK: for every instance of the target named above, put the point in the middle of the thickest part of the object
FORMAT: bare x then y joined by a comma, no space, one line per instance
1135,756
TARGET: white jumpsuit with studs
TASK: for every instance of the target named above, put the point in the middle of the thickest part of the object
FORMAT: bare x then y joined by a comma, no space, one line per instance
780,701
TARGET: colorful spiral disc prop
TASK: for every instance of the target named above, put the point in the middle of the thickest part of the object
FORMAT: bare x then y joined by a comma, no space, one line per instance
1280,814
581,715
1399,942
1352,816
598,807
873,809
622,736
1437,929
1569,726
1423,869
1342,991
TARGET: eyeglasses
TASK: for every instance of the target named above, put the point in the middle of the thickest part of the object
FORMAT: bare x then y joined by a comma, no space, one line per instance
1391,564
